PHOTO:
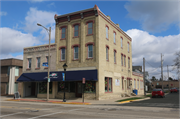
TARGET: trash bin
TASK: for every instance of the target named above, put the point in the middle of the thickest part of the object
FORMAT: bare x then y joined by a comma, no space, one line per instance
135,91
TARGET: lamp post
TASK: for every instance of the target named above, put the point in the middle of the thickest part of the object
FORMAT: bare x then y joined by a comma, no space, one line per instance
49,32
64,66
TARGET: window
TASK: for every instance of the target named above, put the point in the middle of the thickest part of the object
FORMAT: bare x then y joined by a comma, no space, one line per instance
107,31
61,86
128,62
115,56
90,87
90,28
108,84
121,43
128,46
62,54
122,59
17,71
8,70
107,53
134,84
47,58
38,62
122,82
128,84
138,84
29,63
43,87
114,38
76,30
90,51
63,34
76,52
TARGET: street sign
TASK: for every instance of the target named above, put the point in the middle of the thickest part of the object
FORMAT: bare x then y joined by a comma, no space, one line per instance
63,76
83,80
45,64
48,79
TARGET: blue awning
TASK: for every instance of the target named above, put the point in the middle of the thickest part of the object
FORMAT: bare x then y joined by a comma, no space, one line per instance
89,75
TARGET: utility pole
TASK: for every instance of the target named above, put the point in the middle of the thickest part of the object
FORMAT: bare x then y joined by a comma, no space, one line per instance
168,77
144,76
162,71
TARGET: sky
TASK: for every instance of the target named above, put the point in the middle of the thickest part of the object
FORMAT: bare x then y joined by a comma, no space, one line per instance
153,26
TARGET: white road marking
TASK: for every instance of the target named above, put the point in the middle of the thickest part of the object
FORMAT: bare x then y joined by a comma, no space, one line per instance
53,113
11,114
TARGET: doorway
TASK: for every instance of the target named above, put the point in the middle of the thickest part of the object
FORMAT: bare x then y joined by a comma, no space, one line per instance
78,89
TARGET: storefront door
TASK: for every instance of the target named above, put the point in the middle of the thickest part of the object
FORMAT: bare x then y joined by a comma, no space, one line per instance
78,89
33,87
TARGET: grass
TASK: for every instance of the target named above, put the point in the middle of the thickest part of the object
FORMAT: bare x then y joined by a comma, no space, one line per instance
134,98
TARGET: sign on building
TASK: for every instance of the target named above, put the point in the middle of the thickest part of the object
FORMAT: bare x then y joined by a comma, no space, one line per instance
117,82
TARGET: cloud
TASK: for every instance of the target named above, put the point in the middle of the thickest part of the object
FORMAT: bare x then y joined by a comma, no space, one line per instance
13,41
150,47
45,18
155,16
3,13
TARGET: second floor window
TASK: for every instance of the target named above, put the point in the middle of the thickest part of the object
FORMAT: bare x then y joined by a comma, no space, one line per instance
90,51
38,62
122,83
76,30
115,57
107,53
17,71
107,31
128,62
124,60
75,52
90,28
29,63
63,34
62,54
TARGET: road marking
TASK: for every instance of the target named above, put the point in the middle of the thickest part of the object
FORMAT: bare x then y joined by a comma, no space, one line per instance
11,114
54,113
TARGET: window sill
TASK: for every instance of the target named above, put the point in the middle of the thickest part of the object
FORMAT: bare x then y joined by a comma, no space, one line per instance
114,43
121,47
37,68
115,63
89,58
45,67
107,38
75,59
107,60
108,92
76,37
63,39
62,61
89,34
28,69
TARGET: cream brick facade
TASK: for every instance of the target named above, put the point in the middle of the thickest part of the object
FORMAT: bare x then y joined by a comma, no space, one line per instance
98,38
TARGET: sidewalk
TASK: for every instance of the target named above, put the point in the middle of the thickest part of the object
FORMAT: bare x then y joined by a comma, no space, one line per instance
77,101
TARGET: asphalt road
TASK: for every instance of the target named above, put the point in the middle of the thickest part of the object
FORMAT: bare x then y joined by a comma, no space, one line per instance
134,110
171,100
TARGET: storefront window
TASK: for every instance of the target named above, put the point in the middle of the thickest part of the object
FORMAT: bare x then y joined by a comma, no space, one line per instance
70,87
108,84
90,87
43,87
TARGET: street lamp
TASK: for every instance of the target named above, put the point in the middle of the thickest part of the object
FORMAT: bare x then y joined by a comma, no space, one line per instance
49,32
64,66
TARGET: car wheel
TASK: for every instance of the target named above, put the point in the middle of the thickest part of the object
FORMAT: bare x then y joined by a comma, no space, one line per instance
152,96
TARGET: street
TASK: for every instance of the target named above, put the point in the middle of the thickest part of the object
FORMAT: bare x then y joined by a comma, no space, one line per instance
134,110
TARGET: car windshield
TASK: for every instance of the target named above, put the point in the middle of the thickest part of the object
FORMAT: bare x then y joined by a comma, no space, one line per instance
157,90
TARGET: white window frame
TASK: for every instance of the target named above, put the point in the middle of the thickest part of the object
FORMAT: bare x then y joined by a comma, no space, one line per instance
76,53
90,51
63,54
114,38
121,43
107,32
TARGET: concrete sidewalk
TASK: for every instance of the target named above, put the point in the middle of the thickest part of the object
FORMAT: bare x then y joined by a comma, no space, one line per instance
77,101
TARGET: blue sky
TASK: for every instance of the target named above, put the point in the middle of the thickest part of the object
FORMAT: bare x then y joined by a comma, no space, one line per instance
152,25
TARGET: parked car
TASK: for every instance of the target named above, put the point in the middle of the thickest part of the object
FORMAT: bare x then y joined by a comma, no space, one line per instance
174,90
157,93
177,89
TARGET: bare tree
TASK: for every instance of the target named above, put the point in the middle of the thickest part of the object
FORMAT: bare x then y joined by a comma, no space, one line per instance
177,62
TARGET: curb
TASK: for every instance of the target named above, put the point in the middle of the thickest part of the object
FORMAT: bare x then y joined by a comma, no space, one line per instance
128,101
76,103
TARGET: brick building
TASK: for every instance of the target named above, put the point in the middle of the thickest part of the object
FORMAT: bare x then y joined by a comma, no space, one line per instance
96,49
11,69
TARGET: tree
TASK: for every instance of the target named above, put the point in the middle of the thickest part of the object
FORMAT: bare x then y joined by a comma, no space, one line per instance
170,79
177,62
153,78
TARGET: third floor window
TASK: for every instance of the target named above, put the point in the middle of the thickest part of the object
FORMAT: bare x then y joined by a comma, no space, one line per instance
90,28
63,33
76,30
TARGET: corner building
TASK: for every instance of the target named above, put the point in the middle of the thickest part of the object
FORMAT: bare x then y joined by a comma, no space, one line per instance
88,41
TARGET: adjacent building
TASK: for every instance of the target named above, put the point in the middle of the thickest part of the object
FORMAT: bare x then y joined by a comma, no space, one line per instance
11,69
94,48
